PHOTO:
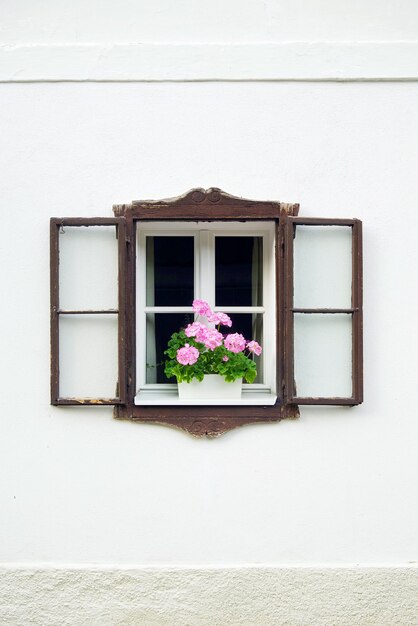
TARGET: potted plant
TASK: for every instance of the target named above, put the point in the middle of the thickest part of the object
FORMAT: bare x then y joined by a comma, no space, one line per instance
208,363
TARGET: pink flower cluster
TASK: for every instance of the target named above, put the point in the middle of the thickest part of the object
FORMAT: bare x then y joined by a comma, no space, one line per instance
254,347
201,307
187,355
212,338
220,318
235,342
197,330
209,336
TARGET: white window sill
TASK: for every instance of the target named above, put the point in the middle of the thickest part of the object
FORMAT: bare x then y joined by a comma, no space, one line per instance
169,396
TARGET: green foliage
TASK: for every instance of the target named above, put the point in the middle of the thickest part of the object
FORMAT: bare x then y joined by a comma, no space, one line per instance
237,366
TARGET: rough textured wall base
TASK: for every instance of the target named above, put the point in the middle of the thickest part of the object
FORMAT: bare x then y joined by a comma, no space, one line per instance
248,596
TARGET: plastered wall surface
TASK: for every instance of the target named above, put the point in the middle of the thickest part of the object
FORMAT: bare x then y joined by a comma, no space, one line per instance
336,486
256,596
209,21
303,522
209,40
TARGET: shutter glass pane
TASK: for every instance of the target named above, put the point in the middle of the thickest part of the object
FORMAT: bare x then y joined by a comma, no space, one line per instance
88,267
88,356
170,271
322,266
322,355
239,271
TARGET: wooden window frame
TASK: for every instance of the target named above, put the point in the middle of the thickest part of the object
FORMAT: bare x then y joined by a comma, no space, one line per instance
199,205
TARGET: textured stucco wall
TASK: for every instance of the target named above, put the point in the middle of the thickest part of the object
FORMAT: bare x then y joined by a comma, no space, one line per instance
204,597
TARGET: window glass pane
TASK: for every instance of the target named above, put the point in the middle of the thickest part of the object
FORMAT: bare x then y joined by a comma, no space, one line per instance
159,328
251,326
323,347
322,267
239,271
88,356
88,267
170,271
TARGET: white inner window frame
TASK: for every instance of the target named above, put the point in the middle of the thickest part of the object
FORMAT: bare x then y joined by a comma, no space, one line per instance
204,234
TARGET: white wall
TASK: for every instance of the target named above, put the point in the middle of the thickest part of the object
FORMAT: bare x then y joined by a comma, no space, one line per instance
337,486
207,21
104,40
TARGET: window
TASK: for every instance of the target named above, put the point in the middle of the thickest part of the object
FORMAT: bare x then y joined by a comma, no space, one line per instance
293,284
228,264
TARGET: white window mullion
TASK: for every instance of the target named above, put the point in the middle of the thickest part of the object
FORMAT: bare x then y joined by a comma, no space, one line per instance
168,309
149,319
269,319
140,305
206,286
240,309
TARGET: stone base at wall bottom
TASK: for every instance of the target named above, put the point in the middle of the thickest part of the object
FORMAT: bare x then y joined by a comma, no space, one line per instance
215,596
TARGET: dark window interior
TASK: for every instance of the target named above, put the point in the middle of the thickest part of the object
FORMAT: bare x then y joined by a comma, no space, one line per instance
238,271
173,271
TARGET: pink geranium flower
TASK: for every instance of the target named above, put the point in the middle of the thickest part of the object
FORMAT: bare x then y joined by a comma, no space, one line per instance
255,347
213,339
235,342
220,318
194,329
198,331
201,307
187,355
202,334
225,358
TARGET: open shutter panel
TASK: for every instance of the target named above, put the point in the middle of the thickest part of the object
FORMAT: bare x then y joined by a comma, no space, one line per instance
323,311
88,311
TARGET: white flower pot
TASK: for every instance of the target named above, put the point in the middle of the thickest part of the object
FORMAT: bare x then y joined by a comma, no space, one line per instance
212,387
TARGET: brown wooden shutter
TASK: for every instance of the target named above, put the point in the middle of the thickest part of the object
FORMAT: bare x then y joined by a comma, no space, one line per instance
354,311
57,226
